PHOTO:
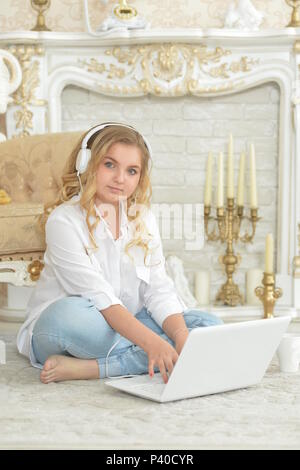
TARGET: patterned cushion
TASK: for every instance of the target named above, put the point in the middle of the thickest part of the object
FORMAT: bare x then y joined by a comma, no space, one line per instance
19,229
30,172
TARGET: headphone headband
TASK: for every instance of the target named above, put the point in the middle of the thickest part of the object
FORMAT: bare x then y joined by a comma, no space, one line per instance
98,128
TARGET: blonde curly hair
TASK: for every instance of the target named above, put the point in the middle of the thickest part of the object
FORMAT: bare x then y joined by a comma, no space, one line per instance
99,144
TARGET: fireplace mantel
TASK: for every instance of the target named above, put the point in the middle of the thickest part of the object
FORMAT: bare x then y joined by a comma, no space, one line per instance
263,38
170,63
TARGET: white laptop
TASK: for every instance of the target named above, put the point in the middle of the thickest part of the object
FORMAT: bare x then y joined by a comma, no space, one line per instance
214,359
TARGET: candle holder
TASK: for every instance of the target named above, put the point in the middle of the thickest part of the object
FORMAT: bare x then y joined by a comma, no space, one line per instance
295,19
268,294
40,6
229,221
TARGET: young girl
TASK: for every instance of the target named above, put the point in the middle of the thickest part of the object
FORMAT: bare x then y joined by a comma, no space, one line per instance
104,305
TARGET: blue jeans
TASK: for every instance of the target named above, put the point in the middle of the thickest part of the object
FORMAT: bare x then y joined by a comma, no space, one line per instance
73,326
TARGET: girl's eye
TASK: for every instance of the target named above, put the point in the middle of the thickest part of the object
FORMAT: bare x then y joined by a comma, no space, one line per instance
130,171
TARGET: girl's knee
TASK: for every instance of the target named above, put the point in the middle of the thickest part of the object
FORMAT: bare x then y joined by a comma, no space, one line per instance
195,318
62,316
44,345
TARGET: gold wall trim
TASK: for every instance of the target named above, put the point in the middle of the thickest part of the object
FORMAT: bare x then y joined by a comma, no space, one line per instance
26,93
168,69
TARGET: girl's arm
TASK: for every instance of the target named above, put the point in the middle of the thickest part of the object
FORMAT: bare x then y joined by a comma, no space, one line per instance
121,320
175,327
159,351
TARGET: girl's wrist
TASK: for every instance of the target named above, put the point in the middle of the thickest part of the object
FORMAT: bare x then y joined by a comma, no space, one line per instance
180,332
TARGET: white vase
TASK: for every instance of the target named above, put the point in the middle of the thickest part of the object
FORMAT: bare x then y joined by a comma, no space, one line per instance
202,287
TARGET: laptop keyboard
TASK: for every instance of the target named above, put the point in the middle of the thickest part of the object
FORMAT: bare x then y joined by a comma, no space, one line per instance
152,390
154,385
151,386
158,388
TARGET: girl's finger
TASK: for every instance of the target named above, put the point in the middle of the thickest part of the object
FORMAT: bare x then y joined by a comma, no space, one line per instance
170,367
150,368
163,372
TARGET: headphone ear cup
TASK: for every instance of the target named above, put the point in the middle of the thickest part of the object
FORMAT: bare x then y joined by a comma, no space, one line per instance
83,158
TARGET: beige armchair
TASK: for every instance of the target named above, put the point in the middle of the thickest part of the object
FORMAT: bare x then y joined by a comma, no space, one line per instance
30,173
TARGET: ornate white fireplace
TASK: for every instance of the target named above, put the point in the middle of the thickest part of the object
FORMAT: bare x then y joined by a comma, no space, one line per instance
186,90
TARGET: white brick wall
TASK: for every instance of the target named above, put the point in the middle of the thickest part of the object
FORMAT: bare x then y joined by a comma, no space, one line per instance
182,131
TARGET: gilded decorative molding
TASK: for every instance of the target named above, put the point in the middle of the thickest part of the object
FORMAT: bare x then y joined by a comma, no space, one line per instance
297,47
296,260
168,69
25,94
35,268
16,273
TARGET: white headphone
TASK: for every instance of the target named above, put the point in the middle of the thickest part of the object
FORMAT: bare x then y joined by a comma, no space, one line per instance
84,154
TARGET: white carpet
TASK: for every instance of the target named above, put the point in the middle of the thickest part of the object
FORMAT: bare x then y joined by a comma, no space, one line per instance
87,414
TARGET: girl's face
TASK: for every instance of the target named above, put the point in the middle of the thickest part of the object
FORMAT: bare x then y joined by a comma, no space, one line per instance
118,173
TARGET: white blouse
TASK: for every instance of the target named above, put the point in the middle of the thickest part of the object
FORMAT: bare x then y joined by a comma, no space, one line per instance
106,276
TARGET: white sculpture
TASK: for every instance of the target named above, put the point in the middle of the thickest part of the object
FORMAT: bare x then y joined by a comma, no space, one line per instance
243,16
10,80
176,272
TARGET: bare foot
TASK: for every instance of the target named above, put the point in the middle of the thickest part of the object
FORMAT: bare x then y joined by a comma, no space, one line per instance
58,368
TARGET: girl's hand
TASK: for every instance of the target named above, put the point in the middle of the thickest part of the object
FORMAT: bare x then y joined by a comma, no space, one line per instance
180,340
162,354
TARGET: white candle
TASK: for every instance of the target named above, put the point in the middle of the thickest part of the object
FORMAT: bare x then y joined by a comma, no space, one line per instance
240,196
253,192
253,280
230,183
220,193
208,182
269,265
202,287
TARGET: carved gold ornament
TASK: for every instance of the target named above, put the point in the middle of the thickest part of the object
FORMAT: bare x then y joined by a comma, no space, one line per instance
297,47
4,197
123,11
35,269
168,69
296,260
25,94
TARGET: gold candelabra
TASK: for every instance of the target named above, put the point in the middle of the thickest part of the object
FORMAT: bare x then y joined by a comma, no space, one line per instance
295,19
40,6
268,294
229,220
